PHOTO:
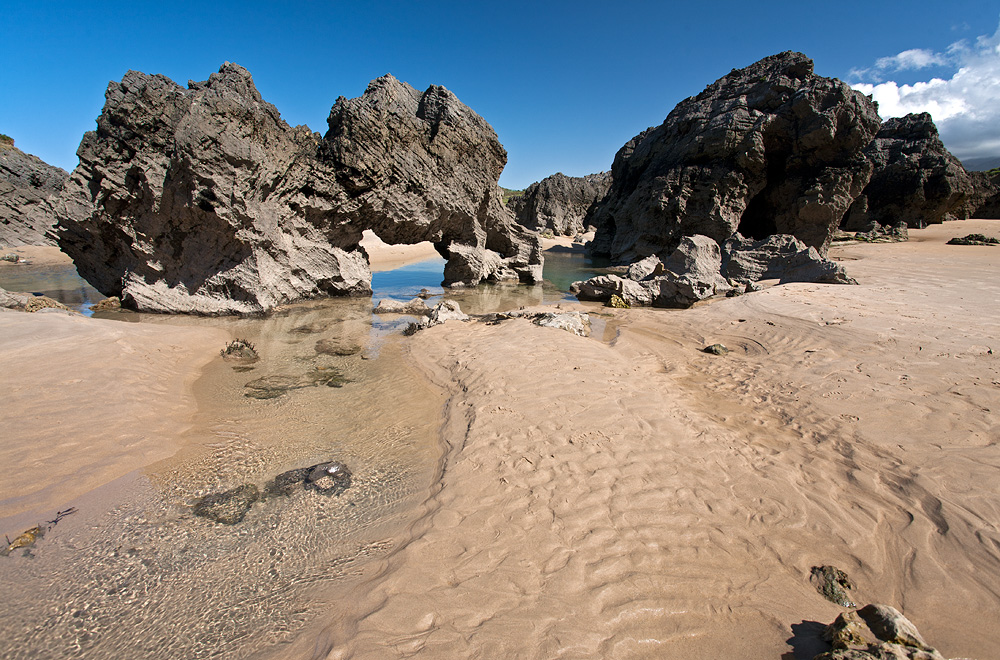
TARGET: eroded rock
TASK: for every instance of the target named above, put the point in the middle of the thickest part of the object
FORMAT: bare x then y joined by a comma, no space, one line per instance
833,584
875,632
915,179
560,203
27,184
768,149
781,257
204,200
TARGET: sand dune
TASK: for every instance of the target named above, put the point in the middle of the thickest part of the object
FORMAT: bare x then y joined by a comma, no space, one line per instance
641,499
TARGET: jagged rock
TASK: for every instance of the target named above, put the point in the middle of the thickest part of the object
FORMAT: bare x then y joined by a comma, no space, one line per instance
833,584
691,273
916,180
780,257
772,148
617,302
875,632
26,184
204,200
228,507
985,199
884,234
559,203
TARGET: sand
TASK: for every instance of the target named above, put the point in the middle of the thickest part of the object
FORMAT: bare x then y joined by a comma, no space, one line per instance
383,256
87,401
629,498
641,499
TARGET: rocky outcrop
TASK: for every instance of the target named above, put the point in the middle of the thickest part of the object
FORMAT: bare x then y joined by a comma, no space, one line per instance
916,180
698,269
875,632
560,203
985,200
204,200
769,149
26,184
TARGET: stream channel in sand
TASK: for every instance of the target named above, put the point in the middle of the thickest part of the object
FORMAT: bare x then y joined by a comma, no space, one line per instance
133,573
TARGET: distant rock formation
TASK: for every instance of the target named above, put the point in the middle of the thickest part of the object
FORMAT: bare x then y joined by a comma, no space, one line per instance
26,184
769,149
204,200
985,200
559,203
916,180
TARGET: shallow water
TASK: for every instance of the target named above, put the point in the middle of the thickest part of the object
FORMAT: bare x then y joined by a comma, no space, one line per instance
60,282
135,574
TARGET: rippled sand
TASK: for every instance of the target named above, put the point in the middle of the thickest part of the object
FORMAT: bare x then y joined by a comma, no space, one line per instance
641,499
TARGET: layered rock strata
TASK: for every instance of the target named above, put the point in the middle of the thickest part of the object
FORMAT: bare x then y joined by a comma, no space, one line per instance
559,203
915,180
26,184
204,200
769,149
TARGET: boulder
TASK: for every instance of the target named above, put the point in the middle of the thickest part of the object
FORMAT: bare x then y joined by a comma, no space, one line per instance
26,185
203,200
916,180
781,257
768,149
560,203
576,322
875,632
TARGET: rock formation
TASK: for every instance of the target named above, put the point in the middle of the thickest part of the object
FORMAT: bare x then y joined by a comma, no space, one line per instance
26,184
985,200
204,200
559,203
698,269
875,632
769,149
916,180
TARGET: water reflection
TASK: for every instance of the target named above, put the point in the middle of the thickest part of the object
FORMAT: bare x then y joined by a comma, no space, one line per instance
60,282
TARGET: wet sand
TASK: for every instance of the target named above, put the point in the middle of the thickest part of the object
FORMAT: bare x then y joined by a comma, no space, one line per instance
642,499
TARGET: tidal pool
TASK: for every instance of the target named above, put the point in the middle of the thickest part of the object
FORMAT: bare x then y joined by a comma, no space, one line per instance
135,574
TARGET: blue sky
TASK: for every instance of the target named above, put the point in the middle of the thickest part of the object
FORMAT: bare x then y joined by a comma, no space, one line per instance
564,84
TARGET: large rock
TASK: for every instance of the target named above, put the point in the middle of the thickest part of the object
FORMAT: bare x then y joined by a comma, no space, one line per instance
985,199
204,200
916,180
560,203
780,257
26,184
769,149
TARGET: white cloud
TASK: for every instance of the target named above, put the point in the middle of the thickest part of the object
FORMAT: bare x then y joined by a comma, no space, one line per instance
965,107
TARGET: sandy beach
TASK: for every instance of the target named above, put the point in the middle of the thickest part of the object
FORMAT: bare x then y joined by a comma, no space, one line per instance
641,499
624,496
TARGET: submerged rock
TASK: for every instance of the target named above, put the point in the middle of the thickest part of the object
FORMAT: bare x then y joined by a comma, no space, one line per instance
204,200
228,507
329,478
768,149
276,385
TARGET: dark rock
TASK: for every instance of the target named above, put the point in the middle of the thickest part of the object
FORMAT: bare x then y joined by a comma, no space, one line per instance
916,180
27,185
559,203
974,239
769,149
715,349
985,199
228,507
204,200
833,584
329,478
781,257
884,234
286,482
